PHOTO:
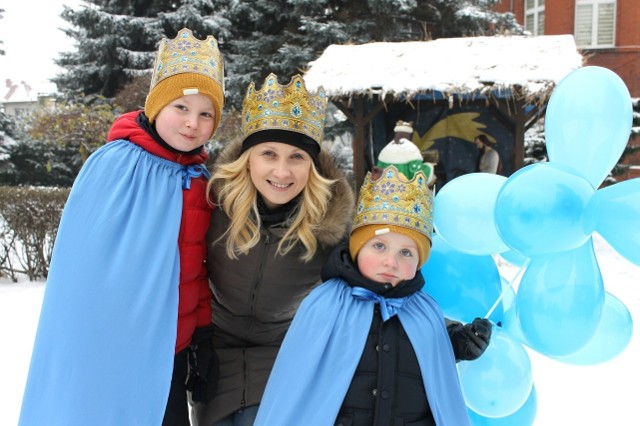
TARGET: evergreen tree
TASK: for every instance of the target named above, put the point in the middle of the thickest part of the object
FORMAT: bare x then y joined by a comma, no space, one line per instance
7,141
116,39
2,52
113,41
32,162
283,36
535,146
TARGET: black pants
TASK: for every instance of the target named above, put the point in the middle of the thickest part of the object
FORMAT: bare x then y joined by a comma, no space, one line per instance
177,411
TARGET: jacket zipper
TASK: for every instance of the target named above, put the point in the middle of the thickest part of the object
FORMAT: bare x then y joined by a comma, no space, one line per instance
252,302
258,278
243,401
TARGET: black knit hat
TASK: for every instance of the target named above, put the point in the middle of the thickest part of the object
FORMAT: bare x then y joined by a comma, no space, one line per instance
296,139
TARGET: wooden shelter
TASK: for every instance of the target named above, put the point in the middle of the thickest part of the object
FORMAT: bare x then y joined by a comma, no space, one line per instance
509,77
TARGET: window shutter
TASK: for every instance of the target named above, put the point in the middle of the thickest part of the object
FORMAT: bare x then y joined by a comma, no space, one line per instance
528,23
584,24
606,18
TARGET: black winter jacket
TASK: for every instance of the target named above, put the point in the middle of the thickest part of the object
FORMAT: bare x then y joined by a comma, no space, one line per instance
387,387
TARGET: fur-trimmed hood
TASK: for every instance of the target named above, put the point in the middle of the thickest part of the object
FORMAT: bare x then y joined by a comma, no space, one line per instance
337,221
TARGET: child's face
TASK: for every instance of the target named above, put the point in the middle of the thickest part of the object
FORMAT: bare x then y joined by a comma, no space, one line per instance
279,171
389,258
186,123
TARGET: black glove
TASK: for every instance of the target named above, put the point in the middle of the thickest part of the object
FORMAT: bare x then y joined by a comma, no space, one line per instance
469,341
203,366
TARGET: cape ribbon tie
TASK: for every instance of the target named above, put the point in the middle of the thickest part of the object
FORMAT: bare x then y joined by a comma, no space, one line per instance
193,171
388,307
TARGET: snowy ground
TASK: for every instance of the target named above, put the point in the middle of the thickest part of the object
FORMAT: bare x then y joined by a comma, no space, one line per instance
567,395
605,394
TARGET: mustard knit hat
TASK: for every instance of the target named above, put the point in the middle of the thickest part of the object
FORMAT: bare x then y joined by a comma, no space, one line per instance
186,66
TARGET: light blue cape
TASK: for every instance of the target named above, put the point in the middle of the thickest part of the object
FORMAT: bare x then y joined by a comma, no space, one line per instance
323,346
104,348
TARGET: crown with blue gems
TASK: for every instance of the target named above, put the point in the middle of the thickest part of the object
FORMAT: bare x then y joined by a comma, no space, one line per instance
392,199
284,107
187,54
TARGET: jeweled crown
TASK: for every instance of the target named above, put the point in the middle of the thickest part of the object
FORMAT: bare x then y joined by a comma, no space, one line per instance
392,199
284,107
187,54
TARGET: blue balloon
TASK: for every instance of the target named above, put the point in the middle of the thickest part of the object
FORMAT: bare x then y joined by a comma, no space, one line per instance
559,301
523,417
588,122
514,258
508,294
465,286
464,213
541,209
611,337
511,325
499,382
617,209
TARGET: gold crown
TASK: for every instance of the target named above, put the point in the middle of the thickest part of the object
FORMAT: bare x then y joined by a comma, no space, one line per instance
187,54
289,107
393,199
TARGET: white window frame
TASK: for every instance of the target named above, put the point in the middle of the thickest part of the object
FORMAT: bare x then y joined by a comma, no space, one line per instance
534,13
593,26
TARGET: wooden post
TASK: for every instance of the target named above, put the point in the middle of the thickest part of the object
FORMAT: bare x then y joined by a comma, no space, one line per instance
519,123
359,120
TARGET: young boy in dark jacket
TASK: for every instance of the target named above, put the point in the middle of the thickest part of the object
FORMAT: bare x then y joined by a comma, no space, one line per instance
368,347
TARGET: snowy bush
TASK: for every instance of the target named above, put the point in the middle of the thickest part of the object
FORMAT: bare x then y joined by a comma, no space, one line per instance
29,218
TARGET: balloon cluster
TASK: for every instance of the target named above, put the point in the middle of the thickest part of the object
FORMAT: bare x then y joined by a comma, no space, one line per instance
541,218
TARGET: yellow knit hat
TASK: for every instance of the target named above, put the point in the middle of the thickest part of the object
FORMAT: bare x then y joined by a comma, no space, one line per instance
186,66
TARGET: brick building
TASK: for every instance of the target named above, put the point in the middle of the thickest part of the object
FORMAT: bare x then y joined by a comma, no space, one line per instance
606,31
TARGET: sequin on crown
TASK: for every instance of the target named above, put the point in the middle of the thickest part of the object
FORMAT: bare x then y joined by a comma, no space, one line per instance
393,199
284,107
187,54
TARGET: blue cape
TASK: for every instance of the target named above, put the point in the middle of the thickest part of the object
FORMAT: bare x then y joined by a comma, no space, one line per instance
104,348
324,344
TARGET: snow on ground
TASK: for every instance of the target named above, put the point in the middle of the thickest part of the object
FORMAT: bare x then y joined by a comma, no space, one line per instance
19,311
605,394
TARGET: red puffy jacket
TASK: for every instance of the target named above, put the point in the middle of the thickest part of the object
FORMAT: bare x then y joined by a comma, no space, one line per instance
194,303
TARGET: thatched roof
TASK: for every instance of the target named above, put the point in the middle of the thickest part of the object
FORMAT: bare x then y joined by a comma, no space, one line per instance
462,66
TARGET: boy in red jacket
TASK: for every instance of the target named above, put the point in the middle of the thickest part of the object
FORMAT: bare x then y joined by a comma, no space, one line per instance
128,287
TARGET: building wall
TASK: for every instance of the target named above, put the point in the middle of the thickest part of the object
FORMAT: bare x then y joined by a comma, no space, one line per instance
623,58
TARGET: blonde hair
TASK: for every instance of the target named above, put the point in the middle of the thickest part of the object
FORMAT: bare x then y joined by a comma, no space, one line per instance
238,198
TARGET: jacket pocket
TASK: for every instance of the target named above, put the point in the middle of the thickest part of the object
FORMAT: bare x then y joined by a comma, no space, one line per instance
344,421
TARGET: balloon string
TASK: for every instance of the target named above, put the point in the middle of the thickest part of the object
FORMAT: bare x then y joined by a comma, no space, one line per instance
508,286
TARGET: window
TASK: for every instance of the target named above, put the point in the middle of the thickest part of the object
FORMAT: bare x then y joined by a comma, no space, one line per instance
595,23
534,17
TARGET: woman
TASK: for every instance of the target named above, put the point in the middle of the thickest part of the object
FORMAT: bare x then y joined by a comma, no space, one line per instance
283,206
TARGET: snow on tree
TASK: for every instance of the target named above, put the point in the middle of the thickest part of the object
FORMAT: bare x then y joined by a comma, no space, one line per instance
117,39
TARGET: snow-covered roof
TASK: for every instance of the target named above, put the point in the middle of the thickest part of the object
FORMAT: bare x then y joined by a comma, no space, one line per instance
20,91
463,66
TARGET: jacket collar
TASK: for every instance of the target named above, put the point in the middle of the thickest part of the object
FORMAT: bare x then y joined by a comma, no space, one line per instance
128,126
